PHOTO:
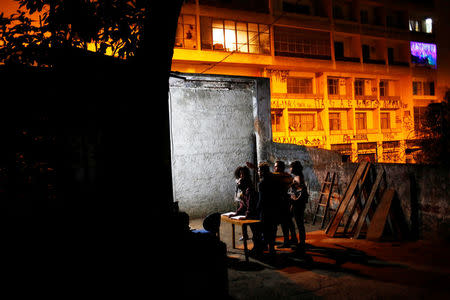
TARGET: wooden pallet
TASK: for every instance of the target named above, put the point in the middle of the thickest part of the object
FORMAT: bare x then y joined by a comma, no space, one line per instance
363,216
358,179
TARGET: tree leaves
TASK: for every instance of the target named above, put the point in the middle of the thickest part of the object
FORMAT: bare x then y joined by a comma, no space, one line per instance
114,27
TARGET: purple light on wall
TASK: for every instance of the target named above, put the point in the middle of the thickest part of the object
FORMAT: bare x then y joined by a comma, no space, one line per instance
423,54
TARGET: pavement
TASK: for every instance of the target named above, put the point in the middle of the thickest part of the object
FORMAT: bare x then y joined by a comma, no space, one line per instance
339,268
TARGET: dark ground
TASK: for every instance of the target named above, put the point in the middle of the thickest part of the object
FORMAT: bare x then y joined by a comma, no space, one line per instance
340,268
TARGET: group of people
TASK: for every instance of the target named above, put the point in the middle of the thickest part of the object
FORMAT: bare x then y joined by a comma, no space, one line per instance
278,197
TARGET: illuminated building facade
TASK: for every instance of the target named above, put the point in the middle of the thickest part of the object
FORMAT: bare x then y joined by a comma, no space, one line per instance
349,76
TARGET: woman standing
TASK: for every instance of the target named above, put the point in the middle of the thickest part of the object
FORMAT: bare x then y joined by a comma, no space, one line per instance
299,197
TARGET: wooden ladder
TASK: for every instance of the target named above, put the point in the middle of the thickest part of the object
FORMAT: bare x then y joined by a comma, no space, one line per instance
324,199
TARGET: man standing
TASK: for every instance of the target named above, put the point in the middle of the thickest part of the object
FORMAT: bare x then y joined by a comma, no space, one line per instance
268,199
287,224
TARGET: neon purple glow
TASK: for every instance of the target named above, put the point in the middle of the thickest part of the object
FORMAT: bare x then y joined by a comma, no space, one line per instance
423,53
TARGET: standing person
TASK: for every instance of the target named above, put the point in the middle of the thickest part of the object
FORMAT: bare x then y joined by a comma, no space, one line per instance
287,225
268,193
299,197
249,205
242,175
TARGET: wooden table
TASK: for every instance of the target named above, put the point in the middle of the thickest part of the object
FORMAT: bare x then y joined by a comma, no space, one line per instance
243,223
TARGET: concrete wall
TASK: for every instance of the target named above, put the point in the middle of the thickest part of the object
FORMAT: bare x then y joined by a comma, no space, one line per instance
212,133
423,195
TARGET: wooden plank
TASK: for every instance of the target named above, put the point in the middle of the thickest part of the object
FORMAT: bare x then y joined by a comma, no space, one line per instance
378,222
357,202
334,224
363,215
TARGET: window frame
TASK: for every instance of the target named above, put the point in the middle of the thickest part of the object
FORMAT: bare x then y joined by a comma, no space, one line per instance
302,123
335,120
359,88
334,86
294,86
385,120
361,116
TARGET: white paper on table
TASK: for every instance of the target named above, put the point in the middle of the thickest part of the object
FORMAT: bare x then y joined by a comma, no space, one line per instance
228,214
238,217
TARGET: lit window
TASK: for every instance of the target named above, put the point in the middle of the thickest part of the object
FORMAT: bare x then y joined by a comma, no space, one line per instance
227,35
429,25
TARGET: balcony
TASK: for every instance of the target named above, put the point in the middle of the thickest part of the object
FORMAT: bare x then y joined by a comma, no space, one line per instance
374,61
348,59
340,101
390,102
301,101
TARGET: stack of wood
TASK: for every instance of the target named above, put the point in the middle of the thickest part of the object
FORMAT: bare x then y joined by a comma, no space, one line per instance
365,208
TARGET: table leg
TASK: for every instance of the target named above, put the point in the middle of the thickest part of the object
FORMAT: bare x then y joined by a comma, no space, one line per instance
233,237
245,235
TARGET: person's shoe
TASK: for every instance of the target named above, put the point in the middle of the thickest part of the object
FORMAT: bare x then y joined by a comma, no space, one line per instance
293,241
241,238
285,245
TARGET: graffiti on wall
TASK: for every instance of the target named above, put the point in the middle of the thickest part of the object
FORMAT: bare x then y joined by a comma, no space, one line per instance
302,141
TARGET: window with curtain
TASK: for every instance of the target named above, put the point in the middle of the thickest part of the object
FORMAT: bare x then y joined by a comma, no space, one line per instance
301,122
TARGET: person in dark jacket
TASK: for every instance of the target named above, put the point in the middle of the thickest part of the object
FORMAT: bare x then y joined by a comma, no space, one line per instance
299,197
268,195
287,225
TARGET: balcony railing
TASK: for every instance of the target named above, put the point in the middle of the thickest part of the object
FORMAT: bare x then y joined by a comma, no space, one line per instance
311,101
390,102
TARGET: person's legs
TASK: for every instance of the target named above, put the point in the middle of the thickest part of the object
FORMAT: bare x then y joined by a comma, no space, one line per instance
299,214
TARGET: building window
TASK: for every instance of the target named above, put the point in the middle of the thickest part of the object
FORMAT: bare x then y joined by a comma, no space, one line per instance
299,85
391,145
186,36
428,25
384,88
419,117
333,86
364,16
301,122
295,7
361,120
423,88
367,146
277,120
359,87
302,43
385,119
421,25
335,121
227,35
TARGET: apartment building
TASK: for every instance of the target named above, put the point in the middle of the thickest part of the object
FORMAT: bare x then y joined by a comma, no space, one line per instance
349,76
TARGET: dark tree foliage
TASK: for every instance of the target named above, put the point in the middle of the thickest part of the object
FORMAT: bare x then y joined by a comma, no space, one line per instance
111,27
435,132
